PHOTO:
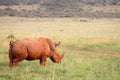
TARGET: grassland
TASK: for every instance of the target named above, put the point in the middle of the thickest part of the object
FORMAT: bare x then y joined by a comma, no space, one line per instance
92,48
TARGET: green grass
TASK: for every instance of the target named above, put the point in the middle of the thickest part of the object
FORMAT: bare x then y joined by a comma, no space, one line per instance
80,40
108,47
73,67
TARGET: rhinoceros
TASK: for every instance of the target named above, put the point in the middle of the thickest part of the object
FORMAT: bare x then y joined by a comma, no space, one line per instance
33,49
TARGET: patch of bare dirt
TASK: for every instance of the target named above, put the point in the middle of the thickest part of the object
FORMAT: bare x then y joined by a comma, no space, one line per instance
96,53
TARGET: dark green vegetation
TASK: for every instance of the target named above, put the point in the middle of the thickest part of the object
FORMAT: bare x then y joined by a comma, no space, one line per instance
60,8
92,48
30,2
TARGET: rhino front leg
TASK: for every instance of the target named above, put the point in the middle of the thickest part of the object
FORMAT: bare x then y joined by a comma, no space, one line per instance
43,60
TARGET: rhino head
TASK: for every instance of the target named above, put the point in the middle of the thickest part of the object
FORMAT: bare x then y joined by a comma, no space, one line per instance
57,57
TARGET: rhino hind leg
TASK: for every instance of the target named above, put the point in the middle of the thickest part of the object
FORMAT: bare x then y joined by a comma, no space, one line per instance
17,60
11,63
11,60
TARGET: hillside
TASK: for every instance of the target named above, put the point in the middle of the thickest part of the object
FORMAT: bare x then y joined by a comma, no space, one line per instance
60,8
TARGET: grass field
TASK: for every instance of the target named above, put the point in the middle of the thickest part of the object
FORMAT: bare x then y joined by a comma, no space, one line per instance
92,48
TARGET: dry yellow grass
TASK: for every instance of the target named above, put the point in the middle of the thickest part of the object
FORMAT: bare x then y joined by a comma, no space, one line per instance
66,29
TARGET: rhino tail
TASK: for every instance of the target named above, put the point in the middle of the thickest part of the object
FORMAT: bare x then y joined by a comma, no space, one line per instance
11,43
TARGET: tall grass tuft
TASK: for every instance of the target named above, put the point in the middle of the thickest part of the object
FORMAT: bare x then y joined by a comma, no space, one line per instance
11,37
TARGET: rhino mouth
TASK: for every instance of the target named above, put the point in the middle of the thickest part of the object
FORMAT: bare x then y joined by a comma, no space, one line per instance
57,58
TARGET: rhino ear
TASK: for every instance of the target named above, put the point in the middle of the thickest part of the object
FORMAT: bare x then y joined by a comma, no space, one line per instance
57,44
